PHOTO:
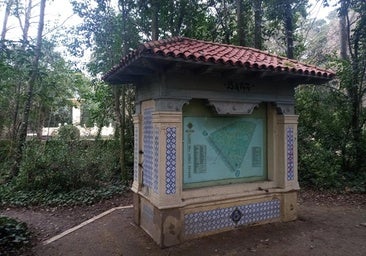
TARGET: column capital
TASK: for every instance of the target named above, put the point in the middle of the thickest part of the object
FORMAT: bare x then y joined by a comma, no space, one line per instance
285,108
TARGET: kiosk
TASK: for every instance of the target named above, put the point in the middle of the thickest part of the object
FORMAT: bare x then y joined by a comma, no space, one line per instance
215,136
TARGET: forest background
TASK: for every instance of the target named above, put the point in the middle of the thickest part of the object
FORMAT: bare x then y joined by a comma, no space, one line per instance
42,71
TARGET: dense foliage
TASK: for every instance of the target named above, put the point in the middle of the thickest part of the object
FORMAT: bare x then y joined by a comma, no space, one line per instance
324,141
64,172
11,196
332,118
67,165
14,236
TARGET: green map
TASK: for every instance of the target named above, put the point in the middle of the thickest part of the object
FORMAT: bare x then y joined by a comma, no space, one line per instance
223,148
231,142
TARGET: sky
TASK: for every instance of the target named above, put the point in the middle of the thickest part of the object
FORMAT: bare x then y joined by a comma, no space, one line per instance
59,14
319,11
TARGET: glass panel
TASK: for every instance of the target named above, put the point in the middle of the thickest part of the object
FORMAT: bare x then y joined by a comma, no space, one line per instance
223,149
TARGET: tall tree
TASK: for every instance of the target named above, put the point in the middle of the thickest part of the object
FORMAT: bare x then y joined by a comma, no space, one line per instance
333,116
258,12
225,18
289,28
284,14
30,91
154,19
8,6
353,75
110,33
344,30
240,22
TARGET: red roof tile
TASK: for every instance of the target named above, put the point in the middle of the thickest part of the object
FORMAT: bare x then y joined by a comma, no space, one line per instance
182,48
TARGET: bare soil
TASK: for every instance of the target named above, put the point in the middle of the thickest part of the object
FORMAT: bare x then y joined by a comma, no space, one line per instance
328,224
46,222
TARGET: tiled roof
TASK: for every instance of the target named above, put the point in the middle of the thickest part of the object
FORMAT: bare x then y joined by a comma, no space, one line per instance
187,49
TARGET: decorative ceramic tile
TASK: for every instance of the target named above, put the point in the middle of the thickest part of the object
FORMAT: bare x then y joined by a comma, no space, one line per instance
147,212
156,161
136,153
148,135
171,160
290,153
222,218
147,217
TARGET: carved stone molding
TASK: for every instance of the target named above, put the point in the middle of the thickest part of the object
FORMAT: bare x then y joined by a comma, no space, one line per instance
233,108
285,108
171,105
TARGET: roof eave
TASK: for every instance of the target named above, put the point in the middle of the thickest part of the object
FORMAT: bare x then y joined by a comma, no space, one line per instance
120,74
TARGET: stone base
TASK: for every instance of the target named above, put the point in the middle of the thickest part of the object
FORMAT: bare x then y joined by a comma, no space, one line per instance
172,226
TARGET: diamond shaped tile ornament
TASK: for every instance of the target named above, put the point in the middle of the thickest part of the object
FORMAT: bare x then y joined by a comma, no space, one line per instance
171,160
290,154
236,215
229,217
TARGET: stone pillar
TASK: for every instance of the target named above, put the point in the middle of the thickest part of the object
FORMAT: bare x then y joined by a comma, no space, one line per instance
287,151
157,173
170,176
137,167
161,189
169,126
137,153
287,178
76,115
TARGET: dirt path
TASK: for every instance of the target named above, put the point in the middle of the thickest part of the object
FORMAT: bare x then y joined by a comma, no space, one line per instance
327,225
46,222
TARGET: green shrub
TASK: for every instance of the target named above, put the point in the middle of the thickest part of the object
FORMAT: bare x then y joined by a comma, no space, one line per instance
59,165
64,172
5,146
327,154
318,167
68,132
14,236
5,159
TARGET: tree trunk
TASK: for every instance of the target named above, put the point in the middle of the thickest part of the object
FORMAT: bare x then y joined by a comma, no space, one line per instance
124,174
120,128
124,10
5,21
26,25
343,31
29,97
154,20
176,30
15,125
289,30
240,22
20,84
257,4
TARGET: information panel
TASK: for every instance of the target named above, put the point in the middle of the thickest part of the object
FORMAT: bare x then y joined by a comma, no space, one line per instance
226,149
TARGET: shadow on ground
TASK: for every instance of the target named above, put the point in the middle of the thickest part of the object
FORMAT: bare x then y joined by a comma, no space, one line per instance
319,230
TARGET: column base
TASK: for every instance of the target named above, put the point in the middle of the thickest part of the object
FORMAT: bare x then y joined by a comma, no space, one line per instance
172,226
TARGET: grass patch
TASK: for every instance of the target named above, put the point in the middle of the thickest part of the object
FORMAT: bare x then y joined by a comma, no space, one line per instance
83,196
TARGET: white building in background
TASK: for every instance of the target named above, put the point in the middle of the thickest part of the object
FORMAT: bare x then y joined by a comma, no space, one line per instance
76,115
107,131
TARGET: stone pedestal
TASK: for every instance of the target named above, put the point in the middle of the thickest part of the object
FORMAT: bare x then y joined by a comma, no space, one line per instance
171,213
